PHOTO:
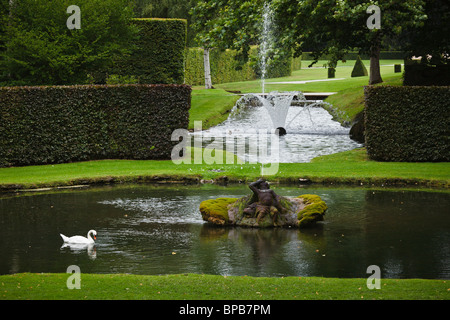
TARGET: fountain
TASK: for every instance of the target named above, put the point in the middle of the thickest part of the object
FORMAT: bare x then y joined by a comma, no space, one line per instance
266,43
305,129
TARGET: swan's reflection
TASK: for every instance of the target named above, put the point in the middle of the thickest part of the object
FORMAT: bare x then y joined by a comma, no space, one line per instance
79,247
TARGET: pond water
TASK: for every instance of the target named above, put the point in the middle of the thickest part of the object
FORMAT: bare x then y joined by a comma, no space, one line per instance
148,229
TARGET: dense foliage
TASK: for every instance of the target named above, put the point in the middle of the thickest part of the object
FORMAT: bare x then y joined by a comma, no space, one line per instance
407,123
159,52
225,67
55,124
39,49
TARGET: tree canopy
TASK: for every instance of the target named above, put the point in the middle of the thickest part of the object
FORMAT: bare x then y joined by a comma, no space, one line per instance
38,48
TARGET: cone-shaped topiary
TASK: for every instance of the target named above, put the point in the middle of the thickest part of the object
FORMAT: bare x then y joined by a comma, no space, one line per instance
359,70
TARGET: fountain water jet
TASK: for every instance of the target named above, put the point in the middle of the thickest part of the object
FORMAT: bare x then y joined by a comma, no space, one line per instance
266,43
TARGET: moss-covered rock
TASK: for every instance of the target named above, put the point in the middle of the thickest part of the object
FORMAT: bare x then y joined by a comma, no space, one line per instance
313,210
302,211
216,210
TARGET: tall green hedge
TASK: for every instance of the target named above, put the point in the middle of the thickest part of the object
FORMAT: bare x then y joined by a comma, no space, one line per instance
159,53
423,74
407,123
223,67
222,64
55,124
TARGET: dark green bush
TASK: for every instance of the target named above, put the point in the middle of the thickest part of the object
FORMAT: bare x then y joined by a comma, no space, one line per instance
331,72
158,56
397,68
423,74
359,70
37,48
407,123
55,124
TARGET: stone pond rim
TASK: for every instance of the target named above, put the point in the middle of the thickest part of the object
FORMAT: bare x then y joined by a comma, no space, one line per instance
302,211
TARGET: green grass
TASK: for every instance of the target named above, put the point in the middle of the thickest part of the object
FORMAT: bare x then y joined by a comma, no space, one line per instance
211,287
213,106
316,73
210,106
350,167
350,101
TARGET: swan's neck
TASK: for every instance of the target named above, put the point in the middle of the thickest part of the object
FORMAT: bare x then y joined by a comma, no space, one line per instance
89,235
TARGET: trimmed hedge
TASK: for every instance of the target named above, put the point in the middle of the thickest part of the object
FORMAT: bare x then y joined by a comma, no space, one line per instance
56,124
407,123
423,74
222,64
159,54
359,69
223,67
388,55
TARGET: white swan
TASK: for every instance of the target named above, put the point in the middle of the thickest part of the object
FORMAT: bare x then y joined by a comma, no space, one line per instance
80,239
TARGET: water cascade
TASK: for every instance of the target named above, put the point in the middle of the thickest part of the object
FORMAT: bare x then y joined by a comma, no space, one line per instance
305,129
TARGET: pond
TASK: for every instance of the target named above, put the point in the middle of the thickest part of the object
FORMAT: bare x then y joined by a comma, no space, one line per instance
145,229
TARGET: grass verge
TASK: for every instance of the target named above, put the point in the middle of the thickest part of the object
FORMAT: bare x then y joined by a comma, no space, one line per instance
210,106
350,167
214,287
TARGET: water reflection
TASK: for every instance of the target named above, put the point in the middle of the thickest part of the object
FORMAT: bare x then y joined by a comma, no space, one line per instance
159,230
79,248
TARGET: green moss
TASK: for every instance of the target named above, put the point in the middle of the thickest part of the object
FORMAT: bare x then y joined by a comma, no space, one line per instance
214,209
314,210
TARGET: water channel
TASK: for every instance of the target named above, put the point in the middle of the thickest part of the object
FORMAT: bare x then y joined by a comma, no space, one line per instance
145,229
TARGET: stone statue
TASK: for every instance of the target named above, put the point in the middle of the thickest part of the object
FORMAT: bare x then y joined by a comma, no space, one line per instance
263,202
264,208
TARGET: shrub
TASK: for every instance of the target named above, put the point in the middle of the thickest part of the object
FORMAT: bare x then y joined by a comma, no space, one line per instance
397,68
55,124
159,53
331,72
407,123
423,74
41,50
359,70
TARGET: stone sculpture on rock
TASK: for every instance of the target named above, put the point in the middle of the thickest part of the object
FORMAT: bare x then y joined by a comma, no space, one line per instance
264,208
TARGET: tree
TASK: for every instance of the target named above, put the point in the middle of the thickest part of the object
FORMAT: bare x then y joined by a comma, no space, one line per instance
40,49
335,27
433,39
226,24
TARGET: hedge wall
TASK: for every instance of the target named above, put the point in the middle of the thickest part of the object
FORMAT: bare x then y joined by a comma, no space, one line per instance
387,55
422,74
159,54
223,67
55,124
222,64
407,123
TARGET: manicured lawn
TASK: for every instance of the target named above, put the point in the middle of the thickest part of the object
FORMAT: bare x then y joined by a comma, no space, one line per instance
350,167
317,73
350,101
213,106
210,106
212,287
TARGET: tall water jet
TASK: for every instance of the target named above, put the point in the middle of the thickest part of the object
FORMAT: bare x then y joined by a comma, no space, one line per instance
266,43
